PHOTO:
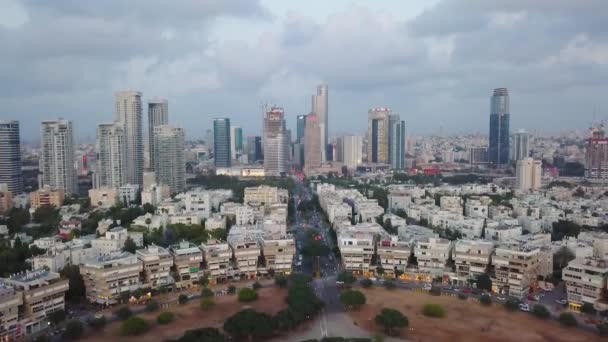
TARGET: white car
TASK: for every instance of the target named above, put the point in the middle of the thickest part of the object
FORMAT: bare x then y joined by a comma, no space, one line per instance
561,301
427,287
524,307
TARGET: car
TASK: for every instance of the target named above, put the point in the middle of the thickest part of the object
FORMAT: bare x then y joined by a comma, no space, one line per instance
501,298
561,301
427,287
373,279
533,298
524,307
466,290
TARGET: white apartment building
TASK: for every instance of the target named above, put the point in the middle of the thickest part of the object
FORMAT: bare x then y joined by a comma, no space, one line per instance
106,277
10,302
217,261
477,207
57,156
114,240
246,251
503,233
586,281
472,258
103,197
357,250
243,214
60,255
112,159
187,260
398,199
278,252
128,112
433,254
266,195
516,267
393,254
157,263
529,174
127,193
451,203
155,194
169,162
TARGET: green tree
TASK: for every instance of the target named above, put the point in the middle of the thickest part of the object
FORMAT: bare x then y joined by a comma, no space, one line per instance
512,304
563,229
366,283
280,281
207,293
57,316
540,311
249,324
182,299
353,299
567,319
433,310
202,335
73,330
346,277
123,313
602,329
588,308
207,304
152,305
134,326
148,208
285,320
247,295
562,257
484,282
76,290
97,323
204,281
389,284
129,245
391,320
231,289
485,299
165,317
257,285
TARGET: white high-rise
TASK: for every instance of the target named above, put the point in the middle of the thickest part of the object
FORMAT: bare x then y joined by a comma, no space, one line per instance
169,162
158,114
276,143
352,151
128,109
111,155
520,145
320,107
528,172
57,158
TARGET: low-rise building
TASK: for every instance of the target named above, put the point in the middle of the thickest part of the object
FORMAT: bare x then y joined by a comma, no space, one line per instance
10,302
432,254
503,233
477,206
6,201
217,261
586,281
267,195
278,252
46,196
472,258
157,263
245,252
103,197
127,193
516,267
114,240
393,254
107,277
187,260
357,249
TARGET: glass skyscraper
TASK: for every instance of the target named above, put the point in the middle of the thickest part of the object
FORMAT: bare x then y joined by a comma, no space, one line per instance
10,156
498,151
221,142
301,124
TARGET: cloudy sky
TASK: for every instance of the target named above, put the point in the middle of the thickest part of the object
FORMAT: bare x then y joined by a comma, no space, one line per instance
435,62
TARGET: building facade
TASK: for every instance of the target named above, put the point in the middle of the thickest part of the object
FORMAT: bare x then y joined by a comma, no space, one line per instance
377,135
529,174
111,155
276,143
221,142
57,157
596,155
320,108
10,156
169,162
312,143
158,114
236,142
128,111
499,127
521,145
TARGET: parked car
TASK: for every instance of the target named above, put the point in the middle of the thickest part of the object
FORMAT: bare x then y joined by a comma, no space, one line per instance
501,298
524,307
427,287
561,301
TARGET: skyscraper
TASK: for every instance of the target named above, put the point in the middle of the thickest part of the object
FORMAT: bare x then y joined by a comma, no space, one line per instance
498,151
312,143
320,107
352,151
301,124
377,135
221,142
276,144
398,145
111,155
158,114
596,155
169,162
528,172
10,156
521,145
128,109
57,158
236,141
254,149
393,119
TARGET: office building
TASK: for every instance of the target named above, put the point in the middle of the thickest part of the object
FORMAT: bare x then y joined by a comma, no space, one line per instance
377,135
320,108
111,155
10,156
521,145
276,143
352,151
169,162
529,174
397,145
254,149
128,111
107,277
596,154
499,127
158,114
301,125
221,142
312,143
57,156
236,142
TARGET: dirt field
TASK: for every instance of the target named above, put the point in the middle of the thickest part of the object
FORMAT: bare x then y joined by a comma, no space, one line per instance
190,316
464,321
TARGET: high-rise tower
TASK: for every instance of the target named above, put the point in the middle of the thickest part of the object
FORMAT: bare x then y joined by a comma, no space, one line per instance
276,144
221,142
111,155
10,156
320,107
398,145
312,143
498,151
128,111
377,135
158,114
236,141
169,162
57,158
521,145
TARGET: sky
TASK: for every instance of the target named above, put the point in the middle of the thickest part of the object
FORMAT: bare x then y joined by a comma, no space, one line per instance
434,62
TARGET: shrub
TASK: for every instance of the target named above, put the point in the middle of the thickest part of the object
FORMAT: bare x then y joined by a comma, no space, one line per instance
280,281
123,313
389,284
352,298
207,304
134,326
433,310
231,289
602,329
152,305
366,283
73,330
207,293
462,296
182,299
512,304
567,319
165,317
257,285
588,308
97,322
247,295
485,299
540,311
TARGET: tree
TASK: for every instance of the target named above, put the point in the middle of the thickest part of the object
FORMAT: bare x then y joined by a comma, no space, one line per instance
563,229
579,192
129,245
366,283
352,299
280,281
389,284
76,290
57,316
182,299
247,295
207,293
165,317
203,334
207,304
257,285
540,311
249,324
346,277
231,289
602,329
97,322
567,319
204,281
152,305
562,257
380,270
73,330
433,310
484,282
123,313
391,320
512,304
134,326
588,308
485,299
148,208
285,320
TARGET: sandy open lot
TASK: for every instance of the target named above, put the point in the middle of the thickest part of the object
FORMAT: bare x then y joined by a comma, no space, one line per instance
190,316
465,320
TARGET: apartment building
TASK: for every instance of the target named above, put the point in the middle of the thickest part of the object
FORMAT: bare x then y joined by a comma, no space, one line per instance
103,197
451,203
357,250
46,196
516,268
278,252
432,254
393,254
217,261
242,213
114,240
472,258
477,207
187,260
106,277
6,201
43,293
266,194
503,233
10,302
157,264
246,253
586,282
